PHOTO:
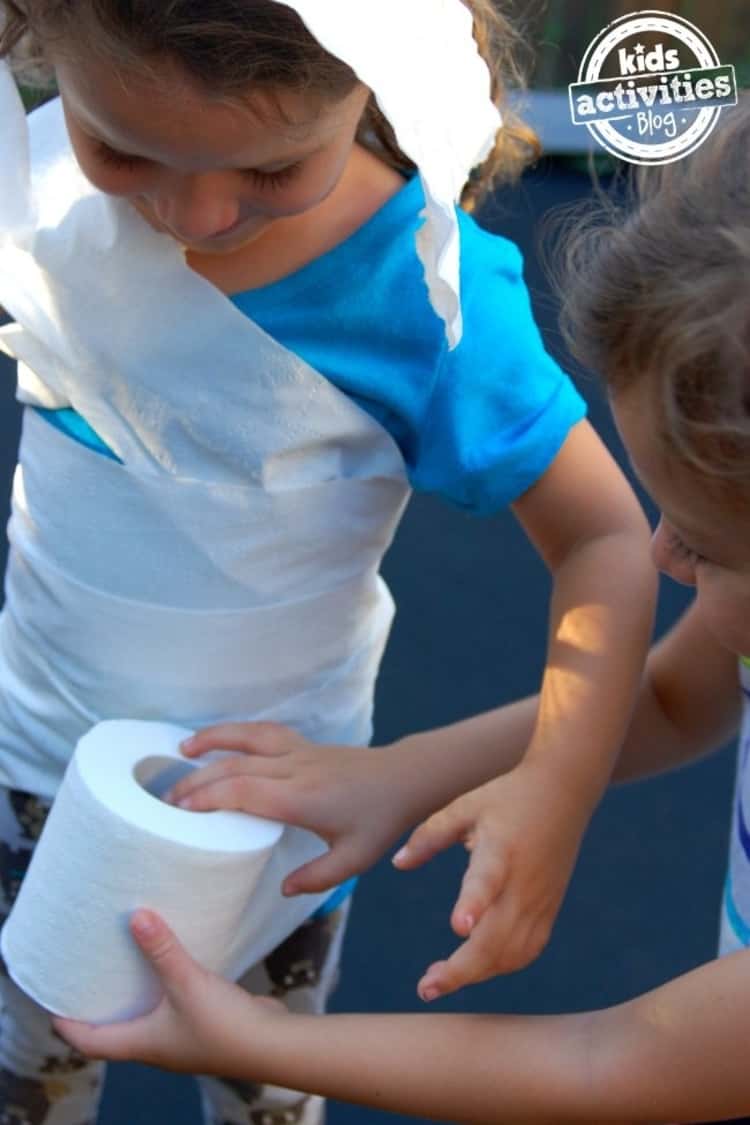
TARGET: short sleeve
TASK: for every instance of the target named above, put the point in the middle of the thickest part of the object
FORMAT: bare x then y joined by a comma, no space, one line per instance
500,407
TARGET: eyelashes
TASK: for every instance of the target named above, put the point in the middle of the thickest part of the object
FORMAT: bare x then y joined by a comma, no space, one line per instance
682,551
115,159
272,181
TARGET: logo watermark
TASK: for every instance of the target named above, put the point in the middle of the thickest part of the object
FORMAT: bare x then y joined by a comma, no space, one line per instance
651,88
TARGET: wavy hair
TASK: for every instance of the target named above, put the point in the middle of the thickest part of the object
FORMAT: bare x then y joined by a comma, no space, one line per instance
655,289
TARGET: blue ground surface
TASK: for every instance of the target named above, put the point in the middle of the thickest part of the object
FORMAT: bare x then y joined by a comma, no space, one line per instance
470,633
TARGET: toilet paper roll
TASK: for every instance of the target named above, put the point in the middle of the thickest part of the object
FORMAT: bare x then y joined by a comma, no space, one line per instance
111,845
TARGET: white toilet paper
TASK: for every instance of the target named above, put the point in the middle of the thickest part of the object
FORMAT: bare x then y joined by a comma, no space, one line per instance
111,845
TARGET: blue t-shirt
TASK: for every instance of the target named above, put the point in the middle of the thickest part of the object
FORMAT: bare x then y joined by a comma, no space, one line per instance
477,425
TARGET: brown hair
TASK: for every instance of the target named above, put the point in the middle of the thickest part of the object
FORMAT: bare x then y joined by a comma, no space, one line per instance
657,288
242,43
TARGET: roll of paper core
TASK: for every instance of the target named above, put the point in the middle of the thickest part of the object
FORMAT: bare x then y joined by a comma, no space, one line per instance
111,845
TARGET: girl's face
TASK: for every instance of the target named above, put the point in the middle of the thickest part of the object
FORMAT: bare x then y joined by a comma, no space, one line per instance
703,536
211,174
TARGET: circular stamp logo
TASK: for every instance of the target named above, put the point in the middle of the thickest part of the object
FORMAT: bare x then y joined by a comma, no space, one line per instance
651,88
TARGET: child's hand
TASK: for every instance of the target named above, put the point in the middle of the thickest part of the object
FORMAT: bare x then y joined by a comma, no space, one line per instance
196,1025
349,796
523,841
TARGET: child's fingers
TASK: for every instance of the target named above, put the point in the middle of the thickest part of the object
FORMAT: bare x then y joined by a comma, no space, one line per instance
483,883
431,985
245,738
476,959
233,767
500,943
440,831
174,966
117,1041
256,796
470,964
323,873
136,1038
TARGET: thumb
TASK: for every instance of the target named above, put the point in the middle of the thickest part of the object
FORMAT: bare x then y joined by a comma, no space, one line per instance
328,870
172,964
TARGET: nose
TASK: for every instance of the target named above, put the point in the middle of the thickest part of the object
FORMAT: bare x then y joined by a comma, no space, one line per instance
195,208
667,559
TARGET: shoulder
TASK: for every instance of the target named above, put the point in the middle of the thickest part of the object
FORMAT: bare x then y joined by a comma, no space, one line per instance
494,296
491,253
501,407
383,282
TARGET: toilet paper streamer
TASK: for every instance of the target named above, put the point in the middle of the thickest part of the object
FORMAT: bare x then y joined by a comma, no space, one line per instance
109,846
421,61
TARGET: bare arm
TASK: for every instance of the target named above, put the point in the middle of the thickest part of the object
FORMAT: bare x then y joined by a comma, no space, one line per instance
360,802
688,706
524,828
689,703
678,1053
601,613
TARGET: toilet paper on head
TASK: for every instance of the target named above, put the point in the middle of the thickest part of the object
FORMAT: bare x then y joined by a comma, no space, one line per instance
109,846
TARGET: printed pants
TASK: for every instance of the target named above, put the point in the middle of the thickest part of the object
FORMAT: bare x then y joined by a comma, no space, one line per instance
43,1081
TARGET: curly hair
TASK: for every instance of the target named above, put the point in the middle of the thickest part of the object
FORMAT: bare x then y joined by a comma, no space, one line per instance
655,289
233,45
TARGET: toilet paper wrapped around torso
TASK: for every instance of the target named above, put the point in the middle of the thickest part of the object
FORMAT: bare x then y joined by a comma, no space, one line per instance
109,846
225,566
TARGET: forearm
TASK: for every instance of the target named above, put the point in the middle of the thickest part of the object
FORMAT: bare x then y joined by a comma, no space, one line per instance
595,654
462,1068
678,1053
688,705
600,624
442,764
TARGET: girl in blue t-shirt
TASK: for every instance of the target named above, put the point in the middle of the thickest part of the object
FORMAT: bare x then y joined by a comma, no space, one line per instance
657,300
235,372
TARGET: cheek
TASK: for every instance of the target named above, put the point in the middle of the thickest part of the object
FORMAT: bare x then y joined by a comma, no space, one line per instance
312,187
724,603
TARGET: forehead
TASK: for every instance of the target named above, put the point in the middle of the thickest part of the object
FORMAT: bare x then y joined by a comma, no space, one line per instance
166,113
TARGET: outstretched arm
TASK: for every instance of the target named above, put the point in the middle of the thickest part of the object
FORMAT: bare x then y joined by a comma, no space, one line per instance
688,704
678,1053
524,828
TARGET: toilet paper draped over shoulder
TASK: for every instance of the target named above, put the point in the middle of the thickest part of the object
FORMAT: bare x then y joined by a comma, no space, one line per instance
421,61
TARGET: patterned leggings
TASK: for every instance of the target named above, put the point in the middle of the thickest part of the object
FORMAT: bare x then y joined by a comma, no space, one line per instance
43,1081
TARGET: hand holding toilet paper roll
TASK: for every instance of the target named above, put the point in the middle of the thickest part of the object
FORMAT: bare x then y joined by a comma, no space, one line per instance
111,845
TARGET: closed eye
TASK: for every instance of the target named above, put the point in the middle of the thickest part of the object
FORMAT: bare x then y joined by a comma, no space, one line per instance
273,180
117,159
679,548
270,180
